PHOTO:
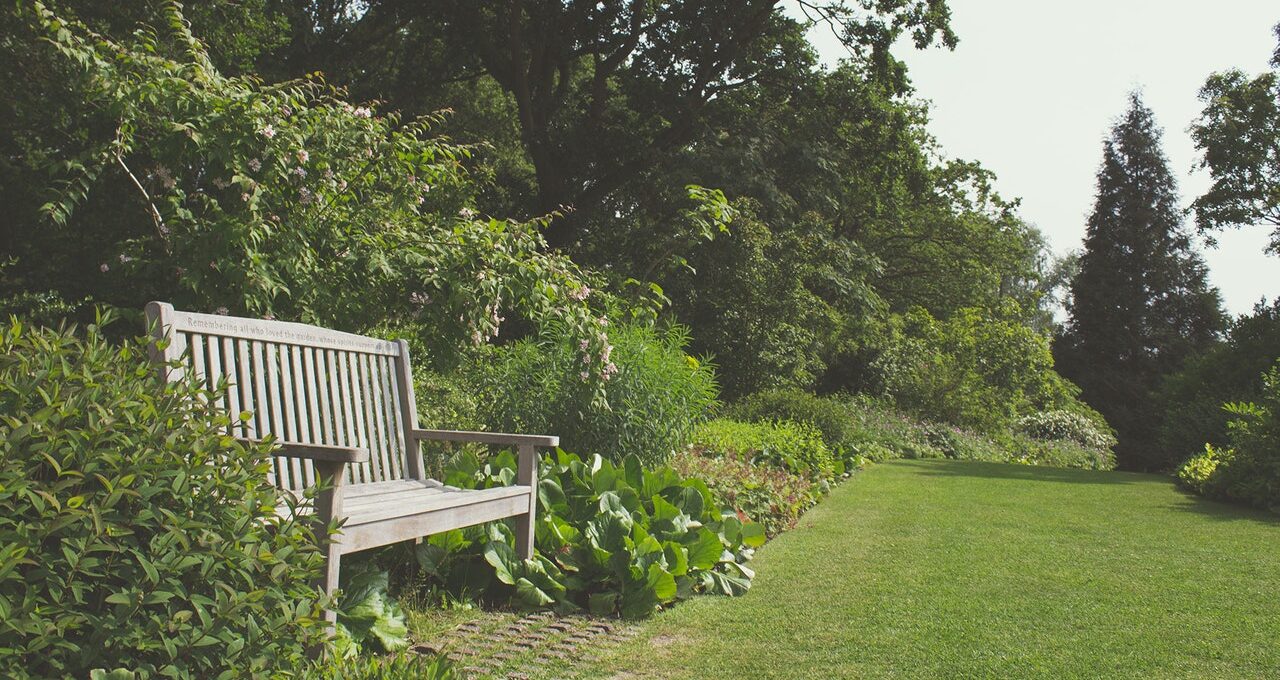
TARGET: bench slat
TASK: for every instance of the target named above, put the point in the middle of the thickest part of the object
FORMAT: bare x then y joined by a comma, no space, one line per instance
283,332
359,537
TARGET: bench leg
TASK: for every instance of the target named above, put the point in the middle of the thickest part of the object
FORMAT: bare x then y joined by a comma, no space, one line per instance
527,473
329,506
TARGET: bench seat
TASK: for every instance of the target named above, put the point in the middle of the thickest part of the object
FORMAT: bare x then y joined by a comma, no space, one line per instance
340,410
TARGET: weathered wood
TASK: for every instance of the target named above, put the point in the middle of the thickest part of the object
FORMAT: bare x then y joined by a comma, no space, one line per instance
160,321
527,475
281,332
373,535
321,452
408,413
342,410
499,438
329,509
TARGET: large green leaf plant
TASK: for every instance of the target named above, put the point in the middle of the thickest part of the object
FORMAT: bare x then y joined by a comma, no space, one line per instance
611,539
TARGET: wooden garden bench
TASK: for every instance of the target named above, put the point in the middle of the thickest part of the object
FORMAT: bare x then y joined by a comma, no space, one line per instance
342,410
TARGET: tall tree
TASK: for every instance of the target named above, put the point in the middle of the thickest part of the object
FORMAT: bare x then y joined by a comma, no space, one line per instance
1140,304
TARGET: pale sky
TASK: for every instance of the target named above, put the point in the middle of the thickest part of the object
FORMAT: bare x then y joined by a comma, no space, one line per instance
1033,88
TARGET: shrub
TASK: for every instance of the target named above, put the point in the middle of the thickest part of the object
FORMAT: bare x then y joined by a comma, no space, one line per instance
829,415
1249,470
611,539
1197,471
169,180
795,447
978,369
1068,426
133,532
1191,399
655,397
761,493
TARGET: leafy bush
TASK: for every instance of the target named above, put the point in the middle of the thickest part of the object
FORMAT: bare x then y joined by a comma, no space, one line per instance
133,531
883,432
611,539
795,447
1067,426
978,369
1197,471
169,180
829,415
761,493
1249,470
1191,399
655,396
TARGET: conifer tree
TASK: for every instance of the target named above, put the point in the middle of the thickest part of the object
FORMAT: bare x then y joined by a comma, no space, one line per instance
1140,304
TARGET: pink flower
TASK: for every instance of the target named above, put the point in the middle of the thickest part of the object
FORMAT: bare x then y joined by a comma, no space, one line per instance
303,156
580,294
267,132
602,322
300,171
221,310
584,344
363,112
244,197
104,267
255,164
467,213
585,376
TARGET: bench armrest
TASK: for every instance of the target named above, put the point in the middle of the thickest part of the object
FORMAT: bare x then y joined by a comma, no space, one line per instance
318,452
486,437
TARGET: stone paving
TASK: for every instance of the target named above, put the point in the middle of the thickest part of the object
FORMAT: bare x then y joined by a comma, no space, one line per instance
538,646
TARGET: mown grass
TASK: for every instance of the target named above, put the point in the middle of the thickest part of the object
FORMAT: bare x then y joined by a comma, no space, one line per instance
960,570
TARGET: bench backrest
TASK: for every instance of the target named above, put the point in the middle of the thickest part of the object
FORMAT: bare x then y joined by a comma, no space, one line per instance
302,384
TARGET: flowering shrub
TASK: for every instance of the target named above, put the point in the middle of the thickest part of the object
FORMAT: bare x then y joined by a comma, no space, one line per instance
1069,426
285,201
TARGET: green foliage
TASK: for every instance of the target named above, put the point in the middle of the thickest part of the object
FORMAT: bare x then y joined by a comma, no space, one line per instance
1198,470
1141,303
795,447
656,394
1068,426
980,369
133,529
883,432
223,193
1239,134
368,618
1190,400
761,493
611,539
1249,470
399,667
776,305
830,415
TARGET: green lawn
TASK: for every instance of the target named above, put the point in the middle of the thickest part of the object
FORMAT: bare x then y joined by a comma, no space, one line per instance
961,570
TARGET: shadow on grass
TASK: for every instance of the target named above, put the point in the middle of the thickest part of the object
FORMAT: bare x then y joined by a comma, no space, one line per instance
1221,511
1186,502
968,468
